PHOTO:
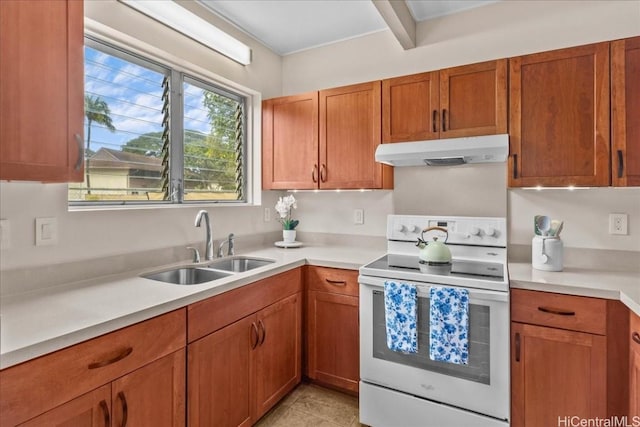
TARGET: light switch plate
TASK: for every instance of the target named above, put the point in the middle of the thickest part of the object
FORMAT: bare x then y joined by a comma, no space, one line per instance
46,231
5,234
358,216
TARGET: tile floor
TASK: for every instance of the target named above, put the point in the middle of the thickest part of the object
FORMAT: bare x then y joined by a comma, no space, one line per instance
309,405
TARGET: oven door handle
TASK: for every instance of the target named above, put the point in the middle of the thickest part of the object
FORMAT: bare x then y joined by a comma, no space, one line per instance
423,289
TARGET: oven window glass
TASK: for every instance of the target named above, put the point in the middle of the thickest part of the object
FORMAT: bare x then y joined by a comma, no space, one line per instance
479,355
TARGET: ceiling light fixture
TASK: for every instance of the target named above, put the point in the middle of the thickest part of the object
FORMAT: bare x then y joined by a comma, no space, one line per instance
180,19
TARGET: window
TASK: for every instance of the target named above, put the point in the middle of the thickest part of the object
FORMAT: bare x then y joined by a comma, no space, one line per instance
155,135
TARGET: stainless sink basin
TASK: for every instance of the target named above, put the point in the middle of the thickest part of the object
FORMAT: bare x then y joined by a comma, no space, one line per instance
238,264
187,276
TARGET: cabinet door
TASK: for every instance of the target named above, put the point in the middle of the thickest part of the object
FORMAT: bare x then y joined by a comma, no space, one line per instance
559,118
473,100
152,395
41,90
220,375
278,356
625,111
89,410
290,142
556,373
349,135
634,367
410,110
333,339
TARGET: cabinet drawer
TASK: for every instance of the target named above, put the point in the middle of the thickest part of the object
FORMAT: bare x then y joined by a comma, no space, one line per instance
559,311
36,386
334,280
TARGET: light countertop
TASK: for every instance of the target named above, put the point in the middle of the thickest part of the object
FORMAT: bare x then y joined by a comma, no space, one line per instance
619,285
41,321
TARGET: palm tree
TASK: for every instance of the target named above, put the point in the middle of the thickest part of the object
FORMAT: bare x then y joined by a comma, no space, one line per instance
96,110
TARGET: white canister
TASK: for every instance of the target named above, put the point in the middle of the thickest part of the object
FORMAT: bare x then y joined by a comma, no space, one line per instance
547,253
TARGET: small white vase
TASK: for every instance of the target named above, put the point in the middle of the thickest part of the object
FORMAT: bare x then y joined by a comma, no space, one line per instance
289,236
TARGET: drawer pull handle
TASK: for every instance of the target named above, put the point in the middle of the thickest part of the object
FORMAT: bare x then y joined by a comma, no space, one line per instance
125,409
105,411
636,337
264,331
434,118
444,120
80,160
255,336
517,346
336,282
314,173
124,353
323,173
557,311
620,164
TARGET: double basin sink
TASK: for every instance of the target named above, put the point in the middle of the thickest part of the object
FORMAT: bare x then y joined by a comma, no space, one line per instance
218,269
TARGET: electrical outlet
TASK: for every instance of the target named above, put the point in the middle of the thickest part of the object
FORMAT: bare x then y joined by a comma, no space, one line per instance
618,223
267,214
358,216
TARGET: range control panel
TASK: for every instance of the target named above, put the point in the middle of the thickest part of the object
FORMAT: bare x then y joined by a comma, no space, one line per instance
474,231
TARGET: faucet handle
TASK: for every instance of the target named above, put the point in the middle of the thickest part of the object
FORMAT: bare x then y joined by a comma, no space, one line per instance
230,249
196,254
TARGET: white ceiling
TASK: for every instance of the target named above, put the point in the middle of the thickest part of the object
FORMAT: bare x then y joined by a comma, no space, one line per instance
288,26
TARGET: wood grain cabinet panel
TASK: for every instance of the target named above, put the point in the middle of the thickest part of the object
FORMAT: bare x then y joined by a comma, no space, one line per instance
290,142
324,140
463,101
26,389
238,372
634,366
278,359
625,111
89,410
333,337
41,90
555,374
559,118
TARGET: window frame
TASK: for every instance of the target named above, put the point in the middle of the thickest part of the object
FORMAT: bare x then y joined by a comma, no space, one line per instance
138,52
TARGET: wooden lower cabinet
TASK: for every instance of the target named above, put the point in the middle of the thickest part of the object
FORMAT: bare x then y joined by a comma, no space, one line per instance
333,336
634,367
153,395
555,374
89,410
236,374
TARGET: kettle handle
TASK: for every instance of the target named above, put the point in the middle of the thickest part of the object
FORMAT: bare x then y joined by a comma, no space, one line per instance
436,228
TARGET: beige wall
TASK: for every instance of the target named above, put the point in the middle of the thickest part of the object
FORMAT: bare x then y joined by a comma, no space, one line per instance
498,30
88,235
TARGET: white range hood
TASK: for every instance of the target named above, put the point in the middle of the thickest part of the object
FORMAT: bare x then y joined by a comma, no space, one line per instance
445,152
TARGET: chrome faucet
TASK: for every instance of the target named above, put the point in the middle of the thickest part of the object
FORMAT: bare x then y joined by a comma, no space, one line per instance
209,251
230,250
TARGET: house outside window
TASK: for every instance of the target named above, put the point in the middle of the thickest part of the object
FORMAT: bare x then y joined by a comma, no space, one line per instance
157,135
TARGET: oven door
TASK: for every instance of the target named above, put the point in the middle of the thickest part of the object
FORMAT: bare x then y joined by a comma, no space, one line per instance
481,386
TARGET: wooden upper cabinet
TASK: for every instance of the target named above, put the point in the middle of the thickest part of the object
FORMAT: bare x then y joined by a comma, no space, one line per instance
349,136
41,90
625,112
410,108
324,140
473,100
290,142
469,100
559,118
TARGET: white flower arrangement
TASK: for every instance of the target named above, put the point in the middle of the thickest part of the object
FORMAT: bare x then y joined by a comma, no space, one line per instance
283,207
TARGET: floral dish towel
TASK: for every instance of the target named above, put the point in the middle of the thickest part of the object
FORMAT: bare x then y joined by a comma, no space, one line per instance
400,302
449,325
